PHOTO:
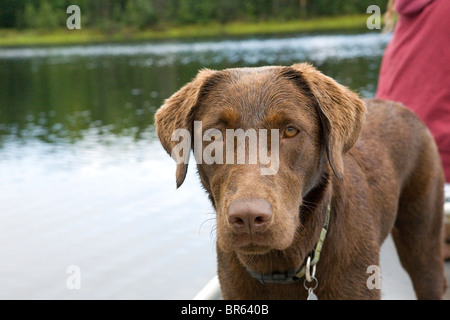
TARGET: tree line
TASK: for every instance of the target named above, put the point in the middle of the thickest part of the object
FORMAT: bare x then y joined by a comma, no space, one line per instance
140,14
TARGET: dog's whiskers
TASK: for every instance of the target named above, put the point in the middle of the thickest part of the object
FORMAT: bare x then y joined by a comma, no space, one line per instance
212,233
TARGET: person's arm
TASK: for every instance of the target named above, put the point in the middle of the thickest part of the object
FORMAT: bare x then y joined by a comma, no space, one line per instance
410,7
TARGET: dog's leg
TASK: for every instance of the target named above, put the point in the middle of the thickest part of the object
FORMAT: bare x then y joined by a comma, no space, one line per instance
418,235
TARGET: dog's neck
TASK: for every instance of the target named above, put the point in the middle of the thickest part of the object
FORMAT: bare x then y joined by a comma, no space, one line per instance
319,195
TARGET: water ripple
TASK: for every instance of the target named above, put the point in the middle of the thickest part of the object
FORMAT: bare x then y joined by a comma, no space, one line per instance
251,51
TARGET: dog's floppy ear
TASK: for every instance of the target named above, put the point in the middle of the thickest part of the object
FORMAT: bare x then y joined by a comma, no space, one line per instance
172,118
340,111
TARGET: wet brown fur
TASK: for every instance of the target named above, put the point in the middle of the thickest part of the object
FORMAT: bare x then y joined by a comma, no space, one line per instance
373,160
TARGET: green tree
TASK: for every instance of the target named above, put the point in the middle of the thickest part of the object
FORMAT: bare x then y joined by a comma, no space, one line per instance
104,14
46,17
140,13
186,11
29,16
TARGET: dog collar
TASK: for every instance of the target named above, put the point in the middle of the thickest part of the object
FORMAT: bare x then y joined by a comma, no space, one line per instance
310,262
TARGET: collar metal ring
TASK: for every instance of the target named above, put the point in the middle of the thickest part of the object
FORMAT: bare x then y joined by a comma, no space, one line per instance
311,286
308,274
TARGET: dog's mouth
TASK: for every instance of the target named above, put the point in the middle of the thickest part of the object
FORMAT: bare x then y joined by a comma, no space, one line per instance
263,260
267,253
253,249
254,244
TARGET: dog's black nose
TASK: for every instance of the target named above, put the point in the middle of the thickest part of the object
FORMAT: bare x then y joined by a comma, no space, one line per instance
249,216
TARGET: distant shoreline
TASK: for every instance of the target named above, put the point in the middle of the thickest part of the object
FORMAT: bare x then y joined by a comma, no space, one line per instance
18,38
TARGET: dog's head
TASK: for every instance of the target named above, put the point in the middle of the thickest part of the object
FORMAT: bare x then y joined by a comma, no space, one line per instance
264,139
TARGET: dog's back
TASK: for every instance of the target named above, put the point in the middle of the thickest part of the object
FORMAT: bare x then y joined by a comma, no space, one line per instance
399,158
404,175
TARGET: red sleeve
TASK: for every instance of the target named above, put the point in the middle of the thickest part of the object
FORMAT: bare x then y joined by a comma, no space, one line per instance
410,7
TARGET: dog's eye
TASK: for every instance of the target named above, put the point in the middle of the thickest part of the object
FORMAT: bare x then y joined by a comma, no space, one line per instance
290,132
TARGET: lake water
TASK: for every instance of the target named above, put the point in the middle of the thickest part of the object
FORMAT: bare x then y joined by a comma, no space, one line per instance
84,181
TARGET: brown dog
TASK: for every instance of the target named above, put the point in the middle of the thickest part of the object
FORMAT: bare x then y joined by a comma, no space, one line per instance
378,172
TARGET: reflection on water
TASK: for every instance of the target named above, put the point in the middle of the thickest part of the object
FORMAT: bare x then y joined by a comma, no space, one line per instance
250,51
83,180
